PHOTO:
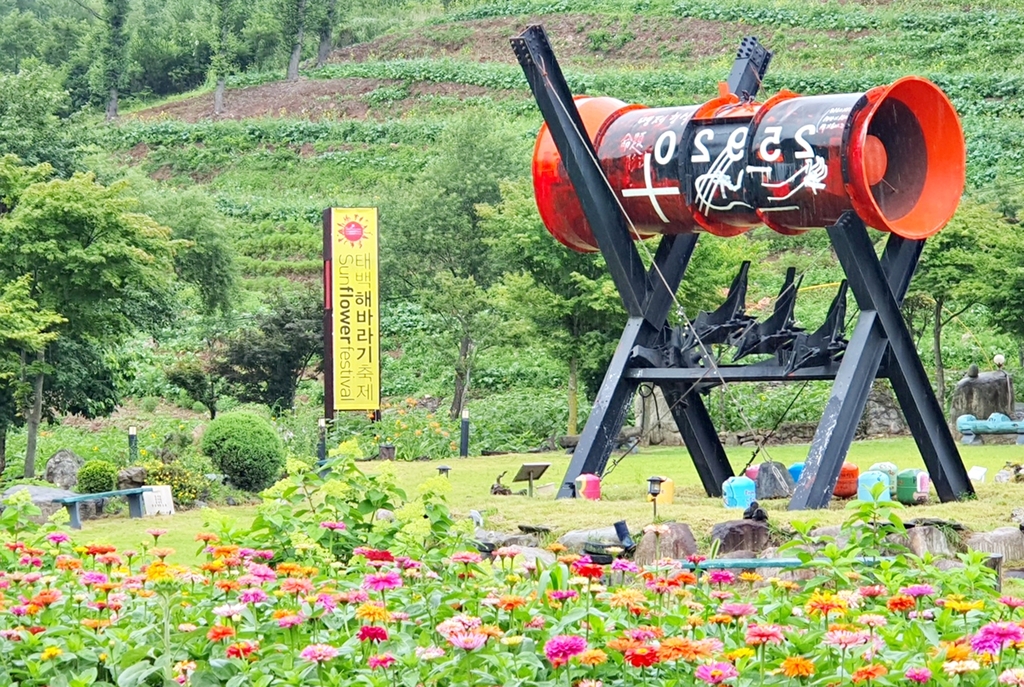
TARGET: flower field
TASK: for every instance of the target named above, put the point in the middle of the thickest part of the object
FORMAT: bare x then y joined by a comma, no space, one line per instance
318,593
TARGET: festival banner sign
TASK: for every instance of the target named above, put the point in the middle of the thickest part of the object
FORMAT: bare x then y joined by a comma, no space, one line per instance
351,311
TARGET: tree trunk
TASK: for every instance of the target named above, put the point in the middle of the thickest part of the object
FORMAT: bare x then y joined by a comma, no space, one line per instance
35,416
325,46
218,95
293,63
940,373
112,105
462,372
574,399
3,449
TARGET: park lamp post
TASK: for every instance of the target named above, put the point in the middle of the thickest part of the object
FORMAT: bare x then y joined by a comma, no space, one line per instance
653,489
443,470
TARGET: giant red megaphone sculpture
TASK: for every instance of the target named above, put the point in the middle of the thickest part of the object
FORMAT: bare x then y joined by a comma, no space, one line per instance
895,155
892,158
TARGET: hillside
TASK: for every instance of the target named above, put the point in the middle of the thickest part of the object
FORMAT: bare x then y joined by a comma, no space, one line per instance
361,129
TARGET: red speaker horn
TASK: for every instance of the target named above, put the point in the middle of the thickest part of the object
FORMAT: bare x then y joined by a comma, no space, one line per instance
895,155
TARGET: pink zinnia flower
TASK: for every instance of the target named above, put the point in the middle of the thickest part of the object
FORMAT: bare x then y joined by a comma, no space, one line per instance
91,578
252,595
429,653
716,673
721,577
333,525
994,637
318,653
1011,601
380,582
844,639
261,572
622,565
737,610
58,538
466,557
537,622
918,675
563,594
872,591
380,661
1012,676
372,633
507,552
872,620
356,596
467,641
764,634
560,648
917,590
291,620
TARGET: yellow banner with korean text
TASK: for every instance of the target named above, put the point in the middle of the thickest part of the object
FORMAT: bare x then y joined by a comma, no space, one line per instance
352,313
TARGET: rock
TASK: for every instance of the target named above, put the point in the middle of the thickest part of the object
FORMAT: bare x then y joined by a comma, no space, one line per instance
945,564
927,539
62,469
740,534
569,441
678,543
882,415
739,554
532,554
1008,541
384,515
535,529
499,539
131,477
575,540
787,574
1017,515
43,498
1003,476
654,417
989,392
835,532
774,481
199,505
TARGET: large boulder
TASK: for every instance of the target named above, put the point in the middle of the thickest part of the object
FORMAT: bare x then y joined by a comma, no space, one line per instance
131,477
980,394
62,469
774,481
1008,541
500,539
538,556
928,539
677,543
577,539
737,535
43,498
654,418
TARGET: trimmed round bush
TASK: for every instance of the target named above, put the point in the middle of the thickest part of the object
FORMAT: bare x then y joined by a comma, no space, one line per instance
97,476
246,448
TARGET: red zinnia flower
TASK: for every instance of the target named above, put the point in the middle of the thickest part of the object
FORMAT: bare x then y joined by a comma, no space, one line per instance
372,633
642,657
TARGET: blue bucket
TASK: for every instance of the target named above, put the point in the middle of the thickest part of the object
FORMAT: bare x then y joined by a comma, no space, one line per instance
796,470
869,479
739,492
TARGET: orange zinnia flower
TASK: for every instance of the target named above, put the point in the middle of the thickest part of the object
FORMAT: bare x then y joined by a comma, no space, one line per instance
797,666
900,602
623,644
869,672
675,648
47,597
511,602
219,632
823,603
592,657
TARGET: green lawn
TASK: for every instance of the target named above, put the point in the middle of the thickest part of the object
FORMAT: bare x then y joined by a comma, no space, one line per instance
623,490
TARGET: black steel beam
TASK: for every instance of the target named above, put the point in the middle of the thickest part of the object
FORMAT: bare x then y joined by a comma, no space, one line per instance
579,158
670,262
699,435
910,381
609,411
731,373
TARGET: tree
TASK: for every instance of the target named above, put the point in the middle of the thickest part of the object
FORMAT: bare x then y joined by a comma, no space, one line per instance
294,31
569,296
204,256
326,20
223,63
956,269
434,246
115,51
25,329
263,363
31,127
197,378
20,37
91,259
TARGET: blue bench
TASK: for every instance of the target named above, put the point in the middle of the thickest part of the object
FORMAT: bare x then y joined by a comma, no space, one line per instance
134,496
972,428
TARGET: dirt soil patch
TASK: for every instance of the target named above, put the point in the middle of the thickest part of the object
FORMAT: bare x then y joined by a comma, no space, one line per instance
631,41
305,98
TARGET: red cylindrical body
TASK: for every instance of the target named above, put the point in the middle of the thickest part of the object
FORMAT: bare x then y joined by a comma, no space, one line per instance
895,155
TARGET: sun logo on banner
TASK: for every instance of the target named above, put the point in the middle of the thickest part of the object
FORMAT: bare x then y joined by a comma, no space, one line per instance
353,228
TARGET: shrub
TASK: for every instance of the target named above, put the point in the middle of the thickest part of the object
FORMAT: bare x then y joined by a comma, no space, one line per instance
150,403
97,476
246,448
187,486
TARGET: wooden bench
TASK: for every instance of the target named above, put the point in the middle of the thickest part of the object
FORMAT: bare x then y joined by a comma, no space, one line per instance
134,496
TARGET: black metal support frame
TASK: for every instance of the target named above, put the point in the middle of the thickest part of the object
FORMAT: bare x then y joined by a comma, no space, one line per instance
880,345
